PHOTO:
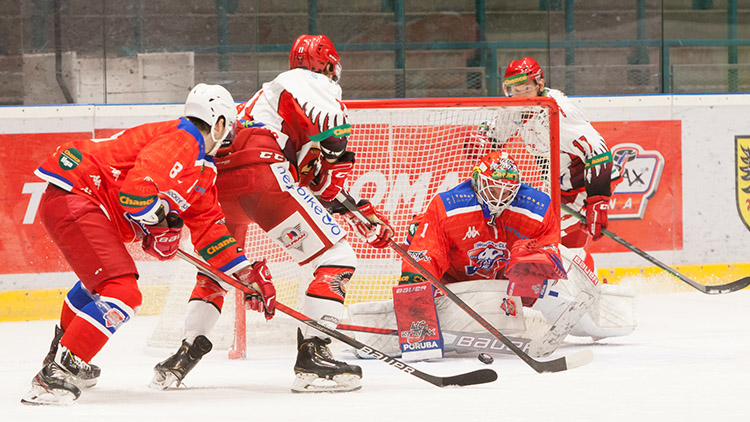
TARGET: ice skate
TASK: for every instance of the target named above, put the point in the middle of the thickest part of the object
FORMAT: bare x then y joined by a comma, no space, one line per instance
174,369
317,372
54,384
87,375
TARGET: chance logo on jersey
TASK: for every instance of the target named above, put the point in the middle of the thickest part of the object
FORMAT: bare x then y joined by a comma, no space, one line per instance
486,258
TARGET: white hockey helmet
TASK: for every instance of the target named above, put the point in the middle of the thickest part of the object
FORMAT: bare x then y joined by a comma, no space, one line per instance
208,103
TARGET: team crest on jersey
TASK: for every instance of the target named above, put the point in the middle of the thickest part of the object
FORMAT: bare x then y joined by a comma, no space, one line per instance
114,318
293,237
742,165
487,258
641,172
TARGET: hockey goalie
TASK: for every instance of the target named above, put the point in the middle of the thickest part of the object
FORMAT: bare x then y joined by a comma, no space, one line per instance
494,241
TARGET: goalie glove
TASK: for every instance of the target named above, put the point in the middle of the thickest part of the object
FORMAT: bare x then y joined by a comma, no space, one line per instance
530,266
379,233
258,277
332,176
597,208
163,242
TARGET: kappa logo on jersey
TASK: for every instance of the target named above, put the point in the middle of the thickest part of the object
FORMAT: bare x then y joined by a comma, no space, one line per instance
70,159
293,237
486,258
742,166
641,172
471,233
418,331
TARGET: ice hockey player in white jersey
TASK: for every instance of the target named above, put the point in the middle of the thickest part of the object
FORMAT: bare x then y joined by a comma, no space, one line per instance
587,179
284,168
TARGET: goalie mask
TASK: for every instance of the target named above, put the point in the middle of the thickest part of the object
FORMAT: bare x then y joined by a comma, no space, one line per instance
315,52
496,181
521,71
209,103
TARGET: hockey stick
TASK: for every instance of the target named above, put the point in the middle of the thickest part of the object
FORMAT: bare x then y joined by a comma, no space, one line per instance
470,378
454,341
575,360
711,290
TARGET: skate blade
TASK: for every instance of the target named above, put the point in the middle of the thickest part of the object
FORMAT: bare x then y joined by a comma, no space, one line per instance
311,383
162,381
39,396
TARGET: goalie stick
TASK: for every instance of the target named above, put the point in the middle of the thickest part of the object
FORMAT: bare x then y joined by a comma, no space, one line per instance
480,376
460,342
710,290
574,360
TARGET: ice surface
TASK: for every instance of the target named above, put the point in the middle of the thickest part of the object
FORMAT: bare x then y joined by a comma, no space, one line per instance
688,360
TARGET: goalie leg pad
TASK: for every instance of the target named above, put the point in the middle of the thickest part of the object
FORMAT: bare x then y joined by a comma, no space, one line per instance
489,299
416,317
375,314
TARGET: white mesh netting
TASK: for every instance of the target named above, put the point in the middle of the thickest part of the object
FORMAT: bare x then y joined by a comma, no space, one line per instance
406,152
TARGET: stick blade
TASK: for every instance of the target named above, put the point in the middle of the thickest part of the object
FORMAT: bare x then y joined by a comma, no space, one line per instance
480,376
564,363
729,287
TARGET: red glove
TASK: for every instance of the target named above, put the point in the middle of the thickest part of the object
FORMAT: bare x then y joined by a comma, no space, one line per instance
332,177
597,208
163,242
258,278
379,233
530,265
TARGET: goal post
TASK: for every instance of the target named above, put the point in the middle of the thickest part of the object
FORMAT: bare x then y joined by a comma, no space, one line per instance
407,150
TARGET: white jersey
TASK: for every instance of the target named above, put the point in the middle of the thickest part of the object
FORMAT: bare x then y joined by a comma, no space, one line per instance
296,105
585,159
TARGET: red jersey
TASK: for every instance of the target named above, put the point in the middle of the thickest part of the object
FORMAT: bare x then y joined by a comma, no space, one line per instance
135,171
456,236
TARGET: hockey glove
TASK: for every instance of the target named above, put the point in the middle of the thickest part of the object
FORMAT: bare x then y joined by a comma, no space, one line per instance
163,242
597,208
529,266
258,278
379,233
332,176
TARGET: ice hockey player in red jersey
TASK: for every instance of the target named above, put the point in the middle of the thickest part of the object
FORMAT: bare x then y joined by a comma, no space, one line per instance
587,177
142,184
492,226
283,171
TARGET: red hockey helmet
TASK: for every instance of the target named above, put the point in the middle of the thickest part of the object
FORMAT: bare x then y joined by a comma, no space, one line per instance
496,180
520,71
314,52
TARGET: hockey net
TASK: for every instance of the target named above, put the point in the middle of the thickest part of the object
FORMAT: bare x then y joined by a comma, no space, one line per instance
406,151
